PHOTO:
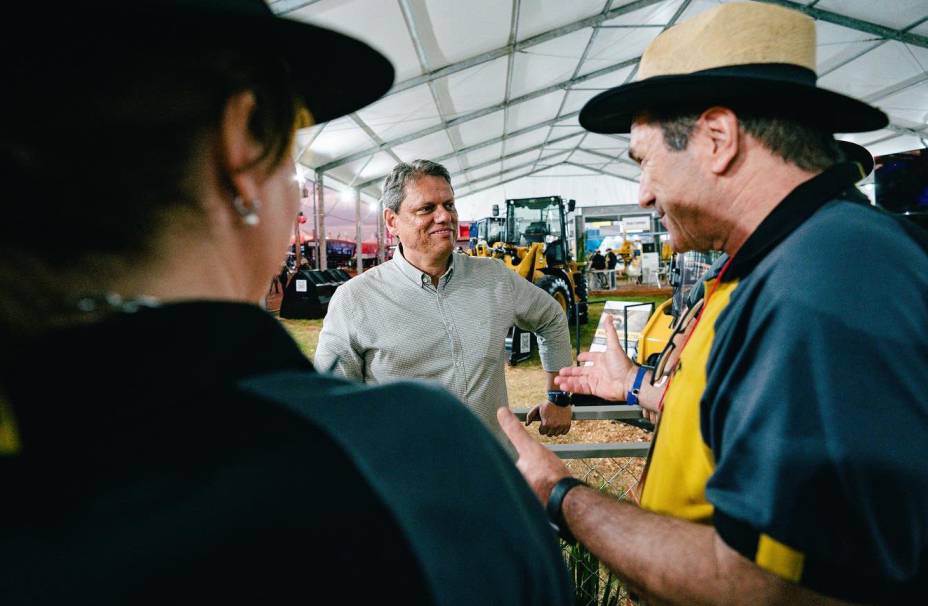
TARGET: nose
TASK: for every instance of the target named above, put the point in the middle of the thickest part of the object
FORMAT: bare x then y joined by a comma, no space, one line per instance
646,197
443,215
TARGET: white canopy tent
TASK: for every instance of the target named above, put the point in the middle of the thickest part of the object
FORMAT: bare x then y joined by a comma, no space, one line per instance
492,88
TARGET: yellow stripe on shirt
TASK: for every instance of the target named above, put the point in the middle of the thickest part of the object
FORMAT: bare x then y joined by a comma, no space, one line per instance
681,462
783,561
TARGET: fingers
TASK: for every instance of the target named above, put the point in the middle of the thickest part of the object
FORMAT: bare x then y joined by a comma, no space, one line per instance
573,371
574,384
533,415
612,337
551,430
589,356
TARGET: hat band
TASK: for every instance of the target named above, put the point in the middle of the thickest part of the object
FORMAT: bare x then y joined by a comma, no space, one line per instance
784,72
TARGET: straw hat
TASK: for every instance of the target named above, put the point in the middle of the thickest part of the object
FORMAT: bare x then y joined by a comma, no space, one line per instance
745,55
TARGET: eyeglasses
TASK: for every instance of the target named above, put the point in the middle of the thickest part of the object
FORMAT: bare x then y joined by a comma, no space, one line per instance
680,328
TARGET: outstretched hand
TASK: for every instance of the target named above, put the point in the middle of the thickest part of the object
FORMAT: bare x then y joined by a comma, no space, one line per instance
609,375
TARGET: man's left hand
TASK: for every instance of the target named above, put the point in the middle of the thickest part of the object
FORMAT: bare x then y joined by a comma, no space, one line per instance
555,420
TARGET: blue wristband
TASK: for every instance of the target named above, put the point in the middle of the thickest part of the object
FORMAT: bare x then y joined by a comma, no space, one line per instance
631,398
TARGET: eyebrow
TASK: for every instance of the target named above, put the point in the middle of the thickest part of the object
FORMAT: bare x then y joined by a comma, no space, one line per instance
431,203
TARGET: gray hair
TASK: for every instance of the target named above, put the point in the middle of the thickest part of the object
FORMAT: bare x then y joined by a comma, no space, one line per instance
796,142
394,186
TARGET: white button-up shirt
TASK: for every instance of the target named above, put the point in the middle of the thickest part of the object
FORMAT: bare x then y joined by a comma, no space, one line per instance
391,323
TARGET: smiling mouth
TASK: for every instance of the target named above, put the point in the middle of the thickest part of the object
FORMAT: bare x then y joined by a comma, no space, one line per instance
440,232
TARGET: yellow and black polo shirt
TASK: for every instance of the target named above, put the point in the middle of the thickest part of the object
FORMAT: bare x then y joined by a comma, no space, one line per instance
796,421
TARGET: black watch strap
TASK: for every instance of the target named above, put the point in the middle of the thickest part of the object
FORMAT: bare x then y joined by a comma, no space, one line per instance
559,398
556,502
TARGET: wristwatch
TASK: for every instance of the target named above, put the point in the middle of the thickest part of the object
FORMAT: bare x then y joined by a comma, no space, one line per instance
554,507
559,398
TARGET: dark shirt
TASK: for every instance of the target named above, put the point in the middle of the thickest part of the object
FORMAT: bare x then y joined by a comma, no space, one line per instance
190,453
598,261
611,260
796,420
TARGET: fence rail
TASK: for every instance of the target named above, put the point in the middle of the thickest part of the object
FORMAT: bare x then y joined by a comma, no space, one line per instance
600,450
614,469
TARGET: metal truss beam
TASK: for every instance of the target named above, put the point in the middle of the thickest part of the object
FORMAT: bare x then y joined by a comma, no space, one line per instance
479,114
851,23
517,153
510,180
521,46
620,158
284,7
496,140
514,168
579,66
676,15
513,37
600,171
416,35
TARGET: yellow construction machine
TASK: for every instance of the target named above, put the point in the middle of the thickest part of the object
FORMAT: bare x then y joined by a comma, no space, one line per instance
626,252
534,245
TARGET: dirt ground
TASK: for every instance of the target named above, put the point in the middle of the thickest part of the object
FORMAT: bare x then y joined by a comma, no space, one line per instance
526,385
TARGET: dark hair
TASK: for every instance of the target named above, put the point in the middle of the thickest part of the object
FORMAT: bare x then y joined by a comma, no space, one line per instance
394,186
113,156
795,141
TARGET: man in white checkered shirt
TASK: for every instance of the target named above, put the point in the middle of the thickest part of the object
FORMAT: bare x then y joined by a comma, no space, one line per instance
437,316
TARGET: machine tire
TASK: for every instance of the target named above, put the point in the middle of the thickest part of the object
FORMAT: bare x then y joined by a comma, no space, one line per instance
558,288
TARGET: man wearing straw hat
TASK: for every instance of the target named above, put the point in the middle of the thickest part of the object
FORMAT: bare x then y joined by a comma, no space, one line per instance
789,462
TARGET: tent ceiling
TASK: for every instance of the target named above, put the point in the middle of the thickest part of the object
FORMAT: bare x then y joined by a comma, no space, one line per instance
492,88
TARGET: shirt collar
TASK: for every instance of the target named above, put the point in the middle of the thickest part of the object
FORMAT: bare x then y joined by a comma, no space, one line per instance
416,275
836,182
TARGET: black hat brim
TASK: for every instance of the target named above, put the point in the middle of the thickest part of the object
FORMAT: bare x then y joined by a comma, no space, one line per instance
859,154
612,111
341,74
333,73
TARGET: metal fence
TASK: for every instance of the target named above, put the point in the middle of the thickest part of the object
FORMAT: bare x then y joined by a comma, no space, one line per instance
614,468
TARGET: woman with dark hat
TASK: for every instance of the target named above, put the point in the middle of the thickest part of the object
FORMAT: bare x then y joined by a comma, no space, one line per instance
162,439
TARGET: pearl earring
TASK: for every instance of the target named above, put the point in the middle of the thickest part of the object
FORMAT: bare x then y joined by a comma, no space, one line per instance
249,215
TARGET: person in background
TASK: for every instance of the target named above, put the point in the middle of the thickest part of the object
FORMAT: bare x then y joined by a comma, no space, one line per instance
611,259
788,464
162,438
598,265
430,314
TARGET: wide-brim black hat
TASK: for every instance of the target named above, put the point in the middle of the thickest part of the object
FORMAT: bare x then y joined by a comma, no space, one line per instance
748,56
333,73
859,154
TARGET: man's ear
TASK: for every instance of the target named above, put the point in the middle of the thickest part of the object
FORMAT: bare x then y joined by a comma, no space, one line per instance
238,149
389,219
720,125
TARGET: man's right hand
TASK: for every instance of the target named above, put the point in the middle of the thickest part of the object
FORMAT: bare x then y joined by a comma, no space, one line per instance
610,375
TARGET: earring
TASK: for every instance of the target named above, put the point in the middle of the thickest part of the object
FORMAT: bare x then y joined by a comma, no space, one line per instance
249,215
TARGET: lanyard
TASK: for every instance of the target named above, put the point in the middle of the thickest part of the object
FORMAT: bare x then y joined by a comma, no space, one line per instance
718,280
638,490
